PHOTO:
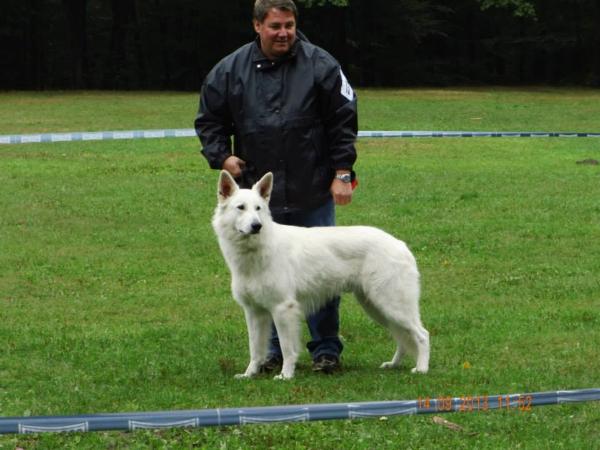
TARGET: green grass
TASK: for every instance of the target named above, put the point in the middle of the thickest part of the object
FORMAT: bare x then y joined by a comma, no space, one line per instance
481,109
114,296
470,109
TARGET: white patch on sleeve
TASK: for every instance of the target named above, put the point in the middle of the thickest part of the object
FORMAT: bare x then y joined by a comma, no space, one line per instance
346,90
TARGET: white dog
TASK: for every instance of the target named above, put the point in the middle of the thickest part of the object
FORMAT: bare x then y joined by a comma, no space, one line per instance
281,273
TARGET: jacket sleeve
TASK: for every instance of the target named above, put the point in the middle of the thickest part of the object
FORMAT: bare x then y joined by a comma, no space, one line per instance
339,113
214,124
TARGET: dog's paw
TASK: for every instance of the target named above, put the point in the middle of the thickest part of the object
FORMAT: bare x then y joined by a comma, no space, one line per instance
282,377
388,365
242,376
418,370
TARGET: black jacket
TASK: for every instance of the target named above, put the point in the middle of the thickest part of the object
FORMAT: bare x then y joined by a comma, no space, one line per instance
295,117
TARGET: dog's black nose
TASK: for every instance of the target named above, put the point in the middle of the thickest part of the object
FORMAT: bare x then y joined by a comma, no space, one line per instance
256,226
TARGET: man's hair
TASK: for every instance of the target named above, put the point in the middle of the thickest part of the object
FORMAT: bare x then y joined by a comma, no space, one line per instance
262,7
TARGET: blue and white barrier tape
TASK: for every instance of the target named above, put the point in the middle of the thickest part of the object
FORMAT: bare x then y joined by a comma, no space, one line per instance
190,132
292,413
94,136
468,134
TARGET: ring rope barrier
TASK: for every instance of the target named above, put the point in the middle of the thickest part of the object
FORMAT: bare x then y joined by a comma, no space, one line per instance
291,413
190,132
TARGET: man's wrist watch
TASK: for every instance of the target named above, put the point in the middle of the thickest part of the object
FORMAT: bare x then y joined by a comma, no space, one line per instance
345,177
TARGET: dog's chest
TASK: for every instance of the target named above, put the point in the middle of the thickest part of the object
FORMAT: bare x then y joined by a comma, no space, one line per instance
262,291
255,279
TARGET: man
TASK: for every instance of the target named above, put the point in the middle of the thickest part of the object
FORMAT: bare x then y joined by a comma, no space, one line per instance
291,111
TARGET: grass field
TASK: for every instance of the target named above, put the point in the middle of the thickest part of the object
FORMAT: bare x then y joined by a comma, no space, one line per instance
114,296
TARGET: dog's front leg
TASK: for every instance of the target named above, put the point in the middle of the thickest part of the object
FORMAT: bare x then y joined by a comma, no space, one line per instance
286,317
259,326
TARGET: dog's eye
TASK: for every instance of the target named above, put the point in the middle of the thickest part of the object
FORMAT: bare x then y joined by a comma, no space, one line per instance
258,208
241,207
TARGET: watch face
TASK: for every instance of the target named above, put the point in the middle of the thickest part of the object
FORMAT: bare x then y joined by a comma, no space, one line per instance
346,178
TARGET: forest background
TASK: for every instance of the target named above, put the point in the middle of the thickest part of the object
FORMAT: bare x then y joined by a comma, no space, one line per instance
171,45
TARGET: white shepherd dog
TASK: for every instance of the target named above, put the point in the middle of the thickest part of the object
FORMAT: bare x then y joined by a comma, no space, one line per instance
281,273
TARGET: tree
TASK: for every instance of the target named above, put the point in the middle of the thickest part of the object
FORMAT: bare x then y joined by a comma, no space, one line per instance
76,16
521,8
172,44
311,3
126,62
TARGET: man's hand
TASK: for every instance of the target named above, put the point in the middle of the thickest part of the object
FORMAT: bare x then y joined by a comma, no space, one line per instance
234,166
342,192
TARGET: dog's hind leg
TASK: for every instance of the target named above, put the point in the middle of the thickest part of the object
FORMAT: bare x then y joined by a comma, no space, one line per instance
377,316
401,349
287,318
420,337
411,337
406,328
259,327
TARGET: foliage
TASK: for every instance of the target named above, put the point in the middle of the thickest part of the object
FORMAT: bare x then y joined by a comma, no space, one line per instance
521,8
50,44
311,3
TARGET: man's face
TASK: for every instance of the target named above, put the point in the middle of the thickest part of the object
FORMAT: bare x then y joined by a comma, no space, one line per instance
277,32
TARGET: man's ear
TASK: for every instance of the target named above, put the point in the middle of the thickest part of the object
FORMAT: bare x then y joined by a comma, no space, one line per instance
256,25
226,187
264,186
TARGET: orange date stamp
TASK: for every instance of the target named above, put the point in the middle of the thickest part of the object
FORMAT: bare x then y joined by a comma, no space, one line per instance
476,403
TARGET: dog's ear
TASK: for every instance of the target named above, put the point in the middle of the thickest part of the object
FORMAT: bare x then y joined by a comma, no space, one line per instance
264,186
227,186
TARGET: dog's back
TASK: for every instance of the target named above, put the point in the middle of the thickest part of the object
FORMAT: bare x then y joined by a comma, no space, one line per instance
351,252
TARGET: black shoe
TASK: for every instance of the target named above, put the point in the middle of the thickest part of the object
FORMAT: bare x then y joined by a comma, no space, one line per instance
326,364
272,364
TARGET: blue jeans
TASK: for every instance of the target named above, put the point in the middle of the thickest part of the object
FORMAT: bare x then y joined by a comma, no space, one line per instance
323,325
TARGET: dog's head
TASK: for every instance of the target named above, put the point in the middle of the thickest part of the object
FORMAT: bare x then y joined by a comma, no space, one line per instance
246,211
